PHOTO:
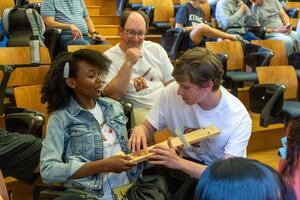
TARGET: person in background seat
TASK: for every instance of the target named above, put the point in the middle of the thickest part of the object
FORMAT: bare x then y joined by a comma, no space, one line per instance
73,19
140,69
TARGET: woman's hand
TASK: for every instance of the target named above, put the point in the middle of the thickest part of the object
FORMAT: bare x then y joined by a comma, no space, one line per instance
118,163
138,139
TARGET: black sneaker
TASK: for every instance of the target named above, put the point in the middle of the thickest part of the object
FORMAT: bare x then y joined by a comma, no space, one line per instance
241,39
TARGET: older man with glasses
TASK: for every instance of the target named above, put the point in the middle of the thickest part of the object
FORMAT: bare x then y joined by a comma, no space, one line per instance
140,69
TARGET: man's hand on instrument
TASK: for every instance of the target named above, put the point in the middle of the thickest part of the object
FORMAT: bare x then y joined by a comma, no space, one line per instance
166,156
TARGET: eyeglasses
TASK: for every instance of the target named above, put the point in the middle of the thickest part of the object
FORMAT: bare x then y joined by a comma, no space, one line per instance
132,33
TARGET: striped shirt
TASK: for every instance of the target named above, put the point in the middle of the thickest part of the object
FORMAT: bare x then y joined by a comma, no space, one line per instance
67,11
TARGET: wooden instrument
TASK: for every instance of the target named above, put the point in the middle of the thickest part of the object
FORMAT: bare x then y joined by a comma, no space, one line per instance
191,137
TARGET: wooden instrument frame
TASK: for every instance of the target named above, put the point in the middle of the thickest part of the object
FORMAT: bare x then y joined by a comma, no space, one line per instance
192,138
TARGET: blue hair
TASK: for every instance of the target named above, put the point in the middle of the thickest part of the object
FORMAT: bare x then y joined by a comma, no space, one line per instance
240,178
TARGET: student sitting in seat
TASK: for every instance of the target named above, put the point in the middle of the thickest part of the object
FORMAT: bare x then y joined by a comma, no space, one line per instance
290,166
233,16
191,18
271,15
73,19
85,133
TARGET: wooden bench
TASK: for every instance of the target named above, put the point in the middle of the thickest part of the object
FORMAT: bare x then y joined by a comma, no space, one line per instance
106,20
94,10
107,29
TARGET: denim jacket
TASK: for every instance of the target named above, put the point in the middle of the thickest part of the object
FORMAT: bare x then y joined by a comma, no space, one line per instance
73,138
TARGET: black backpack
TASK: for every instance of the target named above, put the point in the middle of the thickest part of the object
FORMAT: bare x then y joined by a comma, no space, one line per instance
294,59
20,23
175,41
149,187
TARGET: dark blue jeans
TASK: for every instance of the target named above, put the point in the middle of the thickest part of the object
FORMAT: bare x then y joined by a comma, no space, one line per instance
66,39
249,36
119,7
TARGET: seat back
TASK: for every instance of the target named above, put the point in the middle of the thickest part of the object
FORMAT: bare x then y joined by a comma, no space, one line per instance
289,4
6,4
21,56
20,23
24,74
29,97
100,48
135,1
285,75
234,51
267,100
184,1
163,10
294,23
3,190
256,56
21,73
206,9
277,46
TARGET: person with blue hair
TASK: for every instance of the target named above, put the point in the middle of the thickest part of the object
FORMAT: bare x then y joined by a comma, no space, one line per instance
241,178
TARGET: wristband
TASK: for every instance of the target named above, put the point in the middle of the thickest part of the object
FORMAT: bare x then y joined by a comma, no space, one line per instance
95,32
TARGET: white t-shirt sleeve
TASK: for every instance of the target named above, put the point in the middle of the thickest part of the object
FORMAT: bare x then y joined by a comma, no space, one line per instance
238,140
156,115
114,66
166,65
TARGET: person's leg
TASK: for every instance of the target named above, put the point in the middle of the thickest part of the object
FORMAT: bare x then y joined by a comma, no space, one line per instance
19,155
288,41
79,42
294,37
119,7
204,30
250,36
298,34
66,39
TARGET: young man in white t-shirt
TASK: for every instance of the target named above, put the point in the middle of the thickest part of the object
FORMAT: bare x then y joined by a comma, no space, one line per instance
195,101
140,69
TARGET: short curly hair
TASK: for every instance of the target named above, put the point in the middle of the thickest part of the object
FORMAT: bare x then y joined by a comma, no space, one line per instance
55,92
199,66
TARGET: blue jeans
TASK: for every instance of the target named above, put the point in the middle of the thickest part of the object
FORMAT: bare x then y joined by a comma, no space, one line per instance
66,39
288,40
249,36
298,34
119,7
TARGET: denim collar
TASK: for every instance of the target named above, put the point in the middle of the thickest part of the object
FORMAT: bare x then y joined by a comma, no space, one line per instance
105,103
